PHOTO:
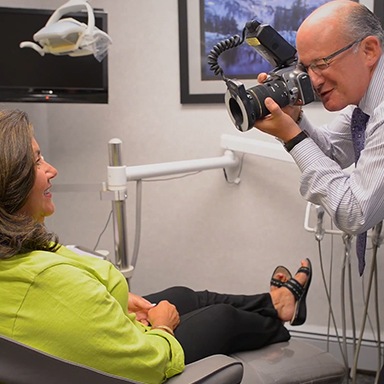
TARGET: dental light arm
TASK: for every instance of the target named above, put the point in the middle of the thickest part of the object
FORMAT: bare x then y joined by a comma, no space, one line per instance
68,36
73,6
115,189
172,168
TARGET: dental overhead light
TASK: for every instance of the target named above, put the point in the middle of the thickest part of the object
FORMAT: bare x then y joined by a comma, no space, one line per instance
69,36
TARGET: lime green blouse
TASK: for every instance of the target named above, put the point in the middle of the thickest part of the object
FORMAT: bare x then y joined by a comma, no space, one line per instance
75,307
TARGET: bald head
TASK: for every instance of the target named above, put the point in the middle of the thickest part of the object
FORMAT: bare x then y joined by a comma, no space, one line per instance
345,20
340,41
330,18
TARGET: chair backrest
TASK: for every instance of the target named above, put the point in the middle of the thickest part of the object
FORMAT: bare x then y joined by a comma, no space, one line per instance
21,364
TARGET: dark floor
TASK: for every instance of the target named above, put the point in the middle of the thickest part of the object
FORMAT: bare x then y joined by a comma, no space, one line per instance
363,379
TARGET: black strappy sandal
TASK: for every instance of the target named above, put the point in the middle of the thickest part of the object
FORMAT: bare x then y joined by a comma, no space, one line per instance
300,293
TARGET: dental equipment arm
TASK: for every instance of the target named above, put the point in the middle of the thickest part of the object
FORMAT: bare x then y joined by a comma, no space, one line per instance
318,229
115,189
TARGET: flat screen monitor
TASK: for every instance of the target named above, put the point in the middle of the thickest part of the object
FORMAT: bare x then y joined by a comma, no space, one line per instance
26,76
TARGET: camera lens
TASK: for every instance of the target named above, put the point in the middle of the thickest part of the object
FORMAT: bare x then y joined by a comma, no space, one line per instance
276,89
236,111
246,107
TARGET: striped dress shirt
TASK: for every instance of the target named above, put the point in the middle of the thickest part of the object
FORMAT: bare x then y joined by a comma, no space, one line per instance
354,199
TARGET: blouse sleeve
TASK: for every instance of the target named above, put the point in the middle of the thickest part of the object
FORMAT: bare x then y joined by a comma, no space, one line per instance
78,319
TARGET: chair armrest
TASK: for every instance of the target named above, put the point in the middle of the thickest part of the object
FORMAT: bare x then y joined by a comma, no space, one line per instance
211,370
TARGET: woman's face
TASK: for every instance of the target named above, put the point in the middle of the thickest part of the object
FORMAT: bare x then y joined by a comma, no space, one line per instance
39,202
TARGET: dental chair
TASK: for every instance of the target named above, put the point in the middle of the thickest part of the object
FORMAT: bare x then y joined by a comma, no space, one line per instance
282,363
21,364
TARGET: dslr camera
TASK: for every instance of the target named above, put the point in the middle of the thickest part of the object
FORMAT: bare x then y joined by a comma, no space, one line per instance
286,84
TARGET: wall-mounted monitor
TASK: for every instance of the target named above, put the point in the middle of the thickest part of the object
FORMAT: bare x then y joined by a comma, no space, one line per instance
26,76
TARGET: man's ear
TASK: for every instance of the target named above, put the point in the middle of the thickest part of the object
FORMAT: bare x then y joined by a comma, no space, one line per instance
371,47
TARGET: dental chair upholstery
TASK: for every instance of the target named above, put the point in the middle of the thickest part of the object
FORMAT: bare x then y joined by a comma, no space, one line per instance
290,362
281,363
20,364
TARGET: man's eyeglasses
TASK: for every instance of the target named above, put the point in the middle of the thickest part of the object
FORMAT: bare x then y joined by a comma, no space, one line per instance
319,65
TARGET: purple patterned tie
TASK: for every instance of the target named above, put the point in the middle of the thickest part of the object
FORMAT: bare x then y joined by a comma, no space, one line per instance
358,125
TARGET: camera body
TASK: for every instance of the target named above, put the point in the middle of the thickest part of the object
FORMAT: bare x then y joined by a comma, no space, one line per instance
286,84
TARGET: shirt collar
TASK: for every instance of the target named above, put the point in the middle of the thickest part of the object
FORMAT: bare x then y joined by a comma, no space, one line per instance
375,92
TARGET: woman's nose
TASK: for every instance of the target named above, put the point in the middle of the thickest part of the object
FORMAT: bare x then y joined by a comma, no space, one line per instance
51,170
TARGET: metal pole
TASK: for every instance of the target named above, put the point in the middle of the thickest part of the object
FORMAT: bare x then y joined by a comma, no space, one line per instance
119,212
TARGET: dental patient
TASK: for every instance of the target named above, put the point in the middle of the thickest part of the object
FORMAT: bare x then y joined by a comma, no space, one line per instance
79,308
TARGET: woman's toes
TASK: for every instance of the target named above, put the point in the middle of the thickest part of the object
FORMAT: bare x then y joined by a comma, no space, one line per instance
302,277
279,277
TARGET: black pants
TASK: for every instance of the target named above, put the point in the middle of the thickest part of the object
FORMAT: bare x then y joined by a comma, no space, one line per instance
381,377
212,323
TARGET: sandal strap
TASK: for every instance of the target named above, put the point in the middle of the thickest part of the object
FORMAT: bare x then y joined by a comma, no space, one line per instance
295,287
303,270
276,282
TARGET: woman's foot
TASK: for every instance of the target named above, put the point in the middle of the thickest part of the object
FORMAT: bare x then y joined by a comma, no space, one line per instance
279,277
289,306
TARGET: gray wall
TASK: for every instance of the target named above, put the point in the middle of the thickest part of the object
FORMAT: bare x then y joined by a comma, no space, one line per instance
197,231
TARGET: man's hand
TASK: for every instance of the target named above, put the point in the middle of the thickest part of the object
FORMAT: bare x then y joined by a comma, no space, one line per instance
278,123
281,123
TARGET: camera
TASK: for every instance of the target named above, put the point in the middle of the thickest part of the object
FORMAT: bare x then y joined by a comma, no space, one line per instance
286,84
